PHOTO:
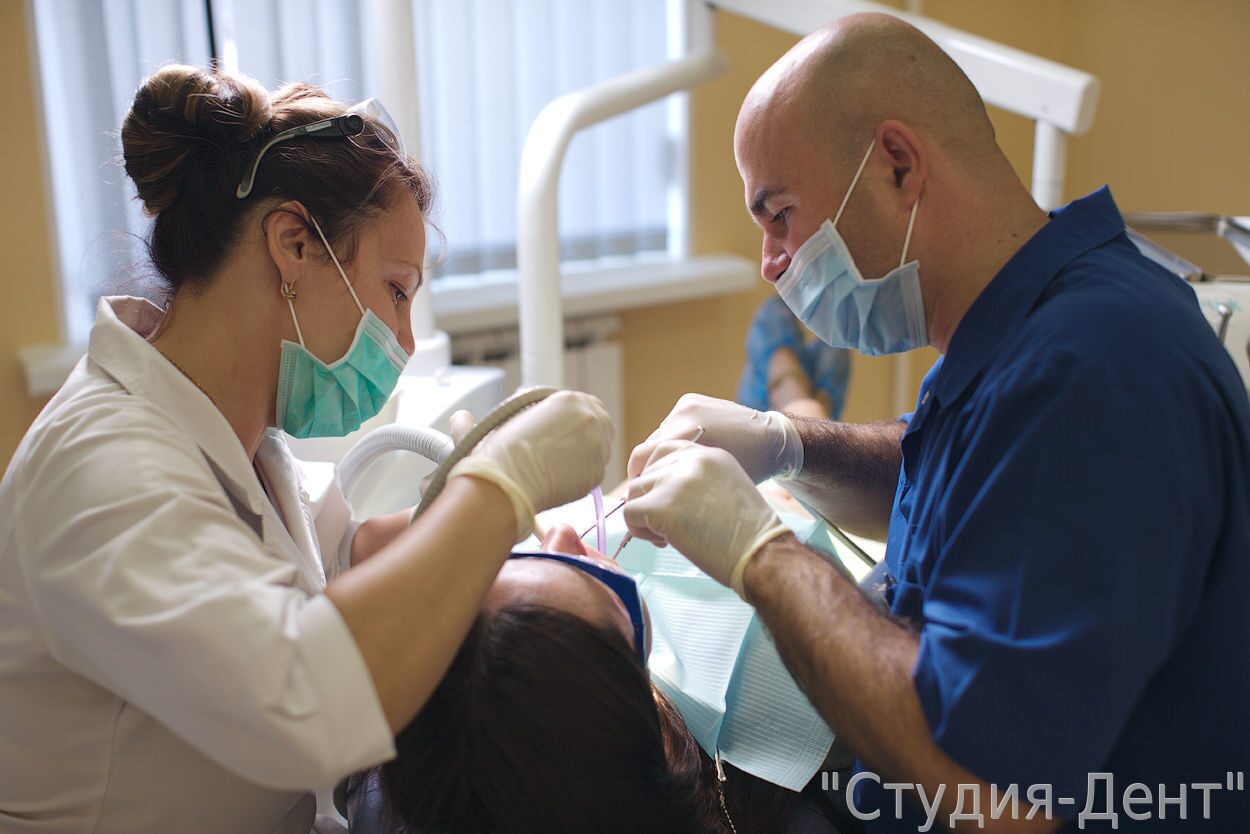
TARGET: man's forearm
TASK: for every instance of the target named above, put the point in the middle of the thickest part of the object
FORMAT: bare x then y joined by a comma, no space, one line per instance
853,662
855,665
850,471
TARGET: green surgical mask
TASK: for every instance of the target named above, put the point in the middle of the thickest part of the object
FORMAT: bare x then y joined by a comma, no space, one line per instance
320,400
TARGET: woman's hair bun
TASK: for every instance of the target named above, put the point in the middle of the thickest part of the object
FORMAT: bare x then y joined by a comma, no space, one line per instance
184,116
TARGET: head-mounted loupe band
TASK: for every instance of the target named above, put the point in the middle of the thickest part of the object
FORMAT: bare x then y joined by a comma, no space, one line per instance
351,123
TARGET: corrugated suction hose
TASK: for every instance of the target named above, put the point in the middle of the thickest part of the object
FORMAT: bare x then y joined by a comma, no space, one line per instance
501,414
428,443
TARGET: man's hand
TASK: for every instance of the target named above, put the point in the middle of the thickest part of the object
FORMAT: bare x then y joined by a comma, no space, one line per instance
766,444
702,502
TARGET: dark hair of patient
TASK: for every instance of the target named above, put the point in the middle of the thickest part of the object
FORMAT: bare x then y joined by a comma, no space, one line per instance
547,723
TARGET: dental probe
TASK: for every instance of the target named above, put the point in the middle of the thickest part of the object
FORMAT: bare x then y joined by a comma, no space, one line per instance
606,516
628,537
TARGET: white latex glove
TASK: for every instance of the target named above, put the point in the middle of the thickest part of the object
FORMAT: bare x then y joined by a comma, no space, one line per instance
701,502
548,455
765,443
461,423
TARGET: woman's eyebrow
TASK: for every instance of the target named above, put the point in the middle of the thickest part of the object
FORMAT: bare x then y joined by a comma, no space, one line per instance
417,268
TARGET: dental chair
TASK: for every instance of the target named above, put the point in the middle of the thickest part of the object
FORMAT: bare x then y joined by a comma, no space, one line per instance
1224,299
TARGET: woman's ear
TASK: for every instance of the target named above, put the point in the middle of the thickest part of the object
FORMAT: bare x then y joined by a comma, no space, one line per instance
287,238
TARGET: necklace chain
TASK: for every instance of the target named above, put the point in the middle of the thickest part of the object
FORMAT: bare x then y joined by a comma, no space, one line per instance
720,793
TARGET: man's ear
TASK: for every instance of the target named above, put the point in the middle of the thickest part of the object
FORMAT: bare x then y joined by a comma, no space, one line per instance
288,237
908,157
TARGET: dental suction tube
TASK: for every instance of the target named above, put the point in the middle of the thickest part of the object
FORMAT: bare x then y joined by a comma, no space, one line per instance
501,414
428,443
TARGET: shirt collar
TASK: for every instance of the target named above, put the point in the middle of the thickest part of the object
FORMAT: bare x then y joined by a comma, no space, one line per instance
997,312
119,345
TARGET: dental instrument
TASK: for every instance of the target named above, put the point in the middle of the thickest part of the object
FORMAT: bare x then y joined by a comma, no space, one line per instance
854,548
595,526
628,537
601,537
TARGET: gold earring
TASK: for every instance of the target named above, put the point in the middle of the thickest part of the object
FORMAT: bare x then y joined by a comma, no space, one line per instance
288,291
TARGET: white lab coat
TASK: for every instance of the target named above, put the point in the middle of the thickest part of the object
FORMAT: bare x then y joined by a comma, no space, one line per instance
168,662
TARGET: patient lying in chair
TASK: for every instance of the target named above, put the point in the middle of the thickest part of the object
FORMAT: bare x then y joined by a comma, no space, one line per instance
552,718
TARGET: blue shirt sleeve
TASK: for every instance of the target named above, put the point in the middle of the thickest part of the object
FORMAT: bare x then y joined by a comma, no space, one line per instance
1064,570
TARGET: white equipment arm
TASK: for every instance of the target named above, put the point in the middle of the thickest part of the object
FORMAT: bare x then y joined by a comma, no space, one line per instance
1061,100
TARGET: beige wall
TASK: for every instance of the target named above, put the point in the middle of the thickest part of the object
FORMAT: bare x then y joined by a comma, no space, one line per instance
28,311
1171,133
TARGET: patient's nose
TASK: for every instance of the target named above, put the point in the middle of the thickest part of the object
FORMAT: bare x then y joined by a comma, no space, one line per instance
562,538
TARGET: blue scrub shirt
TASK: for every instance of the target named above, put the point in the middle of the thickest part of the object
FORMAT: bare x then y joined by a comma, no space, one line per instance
1071,535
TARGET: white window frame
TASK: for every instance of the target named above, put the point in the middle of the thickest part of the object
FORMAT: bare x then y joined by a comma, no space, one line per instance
469,303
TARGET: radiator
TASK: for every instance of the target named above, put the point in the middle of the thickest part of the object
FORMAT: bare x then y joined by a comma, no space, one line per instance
592,363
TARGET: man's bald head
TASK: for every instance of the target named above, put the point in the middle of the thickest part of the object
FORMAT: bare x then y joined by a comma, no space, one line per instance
869,126
840,82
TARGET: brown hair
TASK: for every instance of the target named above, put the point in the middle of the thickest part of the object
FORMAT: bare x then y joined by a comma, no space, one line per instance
189,137
546,723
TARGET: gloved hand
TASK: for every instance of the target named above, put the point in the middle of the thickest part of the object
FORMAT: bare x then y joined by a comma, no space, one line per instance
701,502
461,424
549,454
766,444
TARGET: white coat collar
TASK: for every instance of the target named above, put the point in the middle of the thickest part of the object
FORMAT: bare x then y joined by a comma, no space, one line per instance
275,458
119,345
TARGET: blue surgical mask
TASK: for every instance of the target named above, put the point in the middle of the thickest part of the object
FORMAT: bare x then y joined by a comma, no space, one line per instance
825,289
320,400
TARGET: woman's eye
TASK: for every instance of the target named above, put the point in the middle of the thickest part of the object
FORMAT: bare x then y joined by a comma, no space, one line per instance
398,293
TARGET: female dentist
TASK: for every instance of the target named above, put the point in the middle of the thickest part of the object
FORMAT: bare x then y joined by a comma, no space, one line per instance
177,651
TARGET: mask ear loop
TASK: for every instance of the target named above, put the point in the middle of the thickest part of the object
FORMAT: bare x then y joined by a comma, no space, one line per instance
854,181
337,265
907,240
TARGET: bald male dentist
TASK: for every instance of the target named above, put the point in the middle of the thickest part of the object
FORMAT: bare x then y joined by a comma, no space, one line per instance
1067,510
